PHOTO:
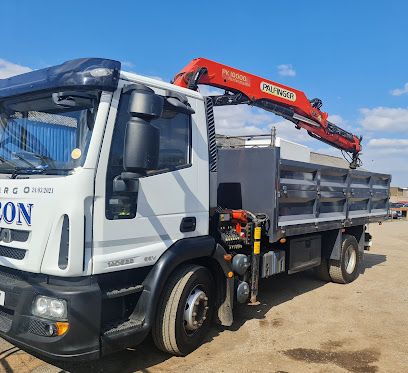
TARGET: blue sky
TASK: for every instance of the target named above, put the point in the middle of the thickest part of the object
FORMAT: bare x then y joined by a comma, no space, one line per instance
351,54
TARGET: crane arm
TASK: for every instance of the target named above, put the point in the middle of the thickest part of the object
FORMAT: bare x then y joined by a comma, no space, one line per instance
244,88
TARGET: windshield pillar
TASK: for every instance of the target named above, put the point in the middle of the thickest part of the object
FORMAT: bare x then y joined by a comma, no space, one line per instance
98,130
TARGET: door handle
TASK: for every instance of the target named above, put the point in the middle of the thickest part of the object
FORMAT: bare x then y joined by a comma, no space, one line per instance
188,224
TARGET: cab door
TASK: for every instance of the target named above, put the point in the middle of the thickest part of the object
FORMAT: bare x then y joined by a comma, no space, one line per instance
134,229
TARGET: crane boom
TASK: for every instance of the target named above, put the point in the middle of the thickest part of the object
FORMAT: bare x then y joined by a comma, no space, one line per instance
245,88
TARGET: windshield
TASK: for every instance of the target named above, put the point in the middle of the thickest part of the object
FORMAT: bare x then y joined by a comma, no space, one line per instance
46,133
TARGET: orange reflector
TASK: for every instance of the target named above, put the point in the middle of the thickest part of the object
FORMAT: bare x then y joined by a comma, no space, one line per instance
230,274
227,257
282,240
62,327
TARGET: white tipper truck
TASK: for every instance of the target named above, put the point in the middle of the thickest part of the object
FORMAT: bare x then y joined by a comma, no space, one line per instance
120,218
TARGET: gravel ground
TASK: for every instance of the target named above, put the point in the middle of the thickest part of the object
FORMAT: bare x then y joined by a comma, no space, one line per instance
302,324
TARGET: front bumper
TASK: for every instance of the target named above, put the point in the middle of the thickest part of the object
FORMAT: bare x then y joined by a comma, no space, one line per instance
91,334
19,327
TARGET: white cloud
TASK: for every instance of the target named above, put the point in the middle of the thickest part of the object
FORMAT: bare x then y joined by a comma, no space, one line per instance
386,143
387,155
385,119
241,120
287,130
8,69
336,119
386,146
400,91
286,70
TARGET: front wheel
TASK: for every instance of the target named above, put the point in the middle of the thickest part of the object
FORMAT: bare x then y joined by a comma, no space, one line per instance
184,314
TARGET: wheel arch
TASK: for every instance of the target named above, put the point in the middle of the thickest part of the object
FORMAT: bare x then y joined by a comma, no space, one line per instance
332,241
201,250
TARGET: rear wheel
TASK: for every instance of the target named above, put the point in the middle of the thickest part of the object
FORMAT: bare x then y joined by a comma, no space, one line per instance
184,315
346,269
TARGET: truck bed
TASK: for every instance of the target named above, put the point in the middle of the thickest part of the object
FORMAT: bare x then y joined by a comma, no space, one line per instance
299,197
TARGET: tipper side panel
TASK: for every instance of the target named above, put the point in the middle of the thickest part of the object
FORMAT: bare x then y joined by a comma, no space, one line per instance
316,194
299,197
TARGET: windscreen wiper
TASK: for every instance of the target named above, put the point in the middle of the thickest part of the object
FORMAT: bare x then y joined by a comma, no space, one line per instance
26,171
32,169
16,171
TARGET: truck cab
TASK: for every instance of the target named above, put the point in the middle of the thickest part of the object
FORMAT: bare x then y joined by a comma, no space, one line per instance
70,235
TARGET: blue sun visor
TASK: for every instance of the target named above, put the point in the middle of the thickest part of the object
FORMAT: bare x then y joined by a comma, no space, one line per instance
84,73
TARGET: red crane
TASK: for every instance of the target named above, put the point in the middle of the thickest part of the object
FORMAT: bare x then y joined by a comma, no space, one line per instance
244,88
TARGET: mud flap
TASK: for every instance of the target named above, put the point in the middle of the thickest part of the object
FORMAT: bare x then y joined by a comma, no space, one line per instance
225,315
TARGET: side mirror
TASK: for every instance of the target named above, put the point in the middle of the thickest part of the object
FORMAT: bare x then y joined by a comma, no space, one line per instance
142,139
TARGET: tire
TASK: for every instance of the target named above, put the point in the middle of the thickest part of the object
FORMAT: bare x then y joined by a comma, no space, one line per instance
346,269
171,331
322,271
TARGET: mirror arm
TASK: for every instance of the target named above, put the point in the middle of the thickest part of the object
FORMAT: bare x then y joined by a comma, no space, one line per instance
179,102
126,182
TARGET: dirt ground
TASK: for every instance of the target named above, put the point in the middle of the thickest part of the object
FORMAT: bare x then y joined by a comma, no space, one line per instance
301,325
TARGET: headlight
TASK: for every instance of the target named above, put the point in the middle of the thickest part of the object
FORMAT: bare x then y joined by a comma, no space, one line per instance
49,308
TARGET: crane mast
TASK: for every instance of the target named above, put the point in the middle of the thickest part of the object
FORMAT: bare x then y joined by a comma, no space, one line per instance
292,104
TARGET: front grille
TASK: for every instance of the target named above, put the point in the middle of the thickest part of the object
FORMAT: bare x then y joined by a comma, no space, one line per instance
18,235
6,319
38,327
10,235
12,252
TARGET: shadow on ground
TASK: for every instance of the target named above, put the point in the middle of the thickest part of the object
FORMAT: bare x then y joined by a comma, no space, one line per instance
280,289
371,260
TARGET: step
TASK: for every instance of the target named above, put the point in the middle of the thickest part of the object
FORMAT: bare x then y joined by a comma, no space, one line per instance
116,293
118,327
